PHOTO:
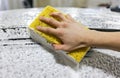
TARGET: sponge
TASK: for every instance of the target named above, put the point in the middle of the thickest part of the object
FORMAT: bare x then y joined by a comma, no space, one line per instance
71,58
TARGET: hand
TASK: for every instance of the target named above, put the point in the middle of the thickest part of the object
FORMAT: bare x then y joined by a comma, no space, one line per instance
74,35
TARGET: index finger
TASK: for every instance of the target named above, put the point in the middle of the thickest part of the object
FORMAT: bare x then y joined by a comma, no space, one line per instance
50,21
47,30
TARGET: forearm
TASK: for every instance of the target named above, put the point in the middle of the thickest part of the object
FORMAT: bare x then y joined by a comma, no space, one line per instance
74,35
110,40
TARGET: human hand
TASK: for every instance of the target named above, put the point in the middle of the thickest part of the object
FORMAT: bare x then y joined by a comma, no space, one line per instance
73,35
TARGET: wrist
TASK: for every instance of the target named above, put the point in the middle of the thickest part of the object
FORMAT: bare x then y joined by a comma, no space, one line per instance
94,38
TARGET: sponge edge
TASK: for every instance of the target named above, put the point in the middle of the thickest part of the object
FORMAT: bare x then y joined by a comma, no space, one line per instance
66,59
72,58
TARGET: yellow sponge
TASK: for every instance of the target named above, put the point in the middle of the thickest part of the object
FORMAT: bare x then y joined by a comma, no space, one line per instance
76,55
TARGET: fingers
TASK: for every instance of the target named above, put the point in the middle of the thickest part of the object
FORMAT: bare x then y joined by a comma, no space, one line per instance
61,47
58,46
56,23
47,30
50,21
59,16
66,47
78,47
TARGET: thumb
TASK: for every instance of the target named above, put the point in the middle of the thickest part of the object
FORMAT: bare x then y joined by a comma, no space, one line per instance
60,47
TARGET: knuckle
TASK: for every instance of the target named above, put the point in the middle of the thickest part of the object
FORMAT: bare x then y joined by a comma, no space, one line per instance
66,48
49,20
59,32
59,13
64,24
47,29
69,20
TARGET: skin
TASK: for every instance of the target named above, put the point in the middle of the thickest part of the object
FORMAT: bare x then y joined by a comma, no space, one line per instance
74,35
